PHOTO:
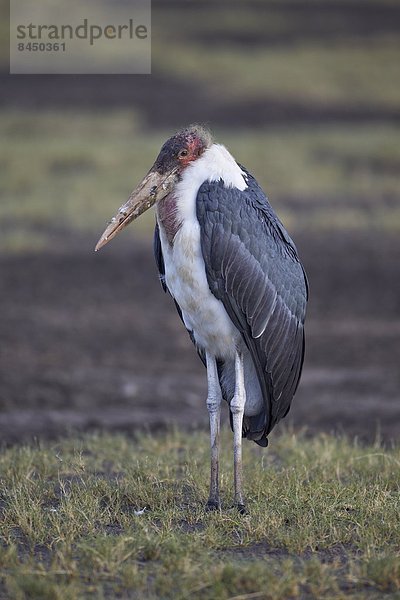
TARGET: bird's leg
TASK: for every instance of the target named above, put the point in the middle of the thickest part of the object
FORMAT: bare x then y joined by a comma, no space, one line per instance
237,410
214,398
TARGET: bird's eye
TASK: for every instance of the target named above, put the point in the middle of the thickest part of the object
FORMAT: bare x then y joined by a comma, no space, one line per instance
182,153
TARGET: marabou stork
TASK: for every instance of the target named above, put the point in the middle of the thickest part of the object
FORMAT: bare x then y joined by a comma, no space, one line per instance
237,282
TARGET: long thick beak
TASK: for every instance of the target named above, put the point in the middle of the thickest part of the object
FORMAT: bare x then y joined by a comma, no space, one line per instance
154,187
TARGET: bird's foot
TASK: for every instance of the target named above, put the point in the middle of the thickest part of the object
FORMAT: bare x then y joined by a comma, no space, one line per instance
239,504
242,510
213,505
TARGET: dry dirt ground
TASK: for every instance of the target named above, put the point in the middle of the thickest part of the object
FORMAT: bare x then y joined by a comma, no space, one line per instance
91,341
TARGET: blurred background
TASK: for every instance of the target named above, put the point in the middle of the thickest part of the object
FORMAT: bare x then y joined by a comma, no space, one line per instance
305,94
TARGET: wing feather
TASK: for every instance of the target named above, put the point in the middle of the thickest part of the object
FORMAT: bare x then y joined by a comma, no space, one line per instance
252,266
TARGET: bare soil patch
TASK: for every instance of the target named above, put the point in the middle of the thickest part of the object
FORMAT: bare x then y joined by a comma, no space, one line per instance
91,341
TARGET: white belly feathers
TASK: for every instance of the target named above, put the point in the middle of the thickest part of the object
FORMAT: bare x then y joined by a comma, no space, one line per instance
186,280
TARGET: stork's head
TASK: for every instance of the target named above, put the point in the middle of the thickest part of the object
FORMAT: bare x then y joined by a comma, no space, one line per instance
175,156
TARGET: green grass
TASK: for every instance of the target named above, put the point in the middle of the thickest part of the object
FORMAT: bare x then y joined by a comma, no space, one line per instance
299,64
71,171
323,520
342,74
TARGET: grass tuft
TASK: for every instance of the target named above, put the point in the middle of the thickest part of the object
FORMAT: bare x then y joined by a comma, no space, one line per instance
107,515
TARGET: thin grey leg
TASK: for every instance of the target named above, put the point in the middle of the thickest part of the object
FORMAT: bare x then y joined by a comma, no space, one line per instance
214,398
237,410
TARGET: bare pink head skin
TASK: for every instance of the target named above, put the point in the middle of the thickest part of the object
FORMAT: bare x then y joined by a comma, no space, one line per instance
176,154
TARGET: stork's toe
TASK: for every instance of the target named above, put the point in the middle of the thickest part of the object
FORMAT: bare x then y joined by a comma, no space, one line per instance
213,505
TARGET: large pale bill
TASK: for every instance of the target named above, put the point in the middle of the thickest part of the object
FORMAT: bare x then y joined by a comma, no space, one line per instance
154,187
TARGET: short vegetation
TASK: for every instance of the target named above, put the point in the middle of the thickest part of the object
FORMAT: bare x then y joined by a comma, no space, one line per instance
111,516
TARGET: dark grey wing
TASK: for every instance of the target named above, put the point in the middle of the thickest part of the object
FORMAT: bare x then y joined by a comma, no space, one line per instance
158,255
252,266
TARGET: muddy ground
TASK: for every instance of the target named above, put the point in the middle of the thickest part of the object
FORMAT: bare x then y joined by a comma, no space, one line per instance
91,341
